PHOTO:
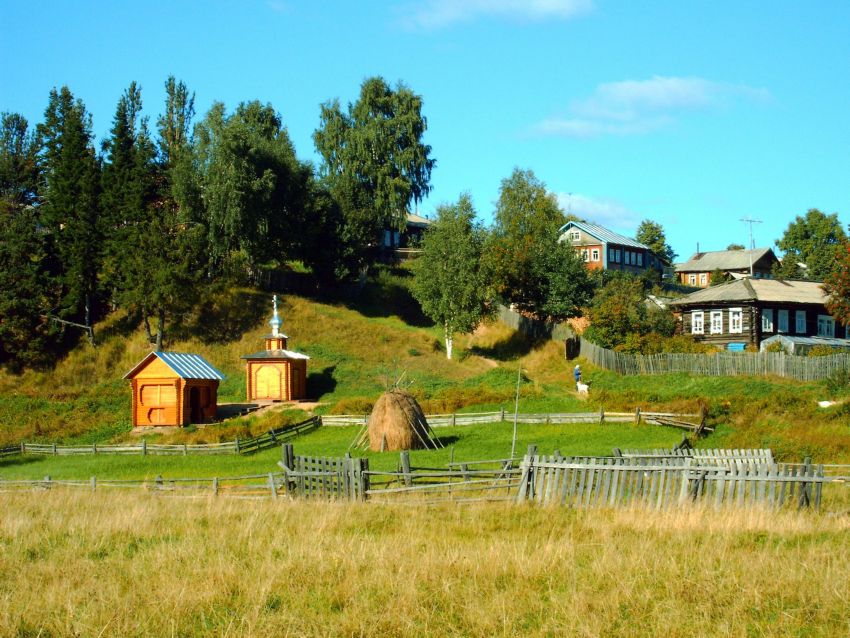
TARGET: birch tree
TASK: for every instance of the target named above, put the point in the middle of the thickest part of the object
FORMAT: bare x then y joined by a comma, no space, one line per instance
451,284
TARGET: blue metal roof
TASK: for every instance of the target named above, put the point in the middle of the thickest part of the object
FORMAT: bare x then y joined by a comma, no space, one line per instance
603,234
186,366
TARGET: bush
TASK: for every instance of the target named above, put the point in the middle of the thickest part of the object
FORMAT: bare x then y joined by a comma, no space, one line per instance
825,351
837,383
776,346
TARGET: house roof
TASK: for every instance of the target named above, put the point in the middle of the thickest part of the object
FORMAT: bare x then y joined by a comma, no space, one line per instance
275,354
601,233
769,290
417,220
833,342
723,260
186,366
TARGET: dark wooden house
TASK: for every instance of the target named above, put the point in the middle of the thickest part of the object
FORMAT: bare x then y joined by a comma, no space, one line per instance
744,312
173,388
276,374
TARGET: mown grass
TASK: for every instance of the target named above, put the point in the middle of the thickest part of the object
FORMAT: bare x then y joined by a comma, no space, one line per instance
466,443
109,565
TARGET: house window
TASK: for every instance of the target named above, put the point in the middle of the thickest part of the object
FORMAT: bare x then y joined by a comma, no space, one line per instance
703,279
800,320
697,322
782,320
585,255
736,320
630,257
826,326
575,235
594,256
617,255
716,322
767,320
640,259
692,279
612,255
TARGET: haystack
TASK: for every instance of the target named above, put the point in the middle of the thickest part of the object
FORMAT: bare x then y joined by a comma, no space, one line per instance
398,423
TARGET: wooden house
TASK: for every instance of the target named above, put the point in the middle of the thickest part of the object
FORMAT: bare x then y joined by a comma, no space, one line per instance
735,263
603,249
173,388
276,374
744,312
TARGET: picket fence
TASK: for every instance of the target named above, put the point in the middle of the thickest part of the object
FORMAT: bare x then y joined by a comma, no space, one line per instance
721,363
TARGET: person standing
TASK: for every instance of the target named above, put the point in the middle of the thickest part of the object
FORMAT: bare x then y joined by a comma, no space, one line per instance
577,375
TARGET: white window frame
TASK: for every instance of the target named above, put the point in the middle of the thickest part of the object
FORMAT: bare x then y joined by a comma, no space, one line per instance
716,322
697,322
594,254
703,279
736,321
800,322
782,321
767,320
692,279
575,235
826,326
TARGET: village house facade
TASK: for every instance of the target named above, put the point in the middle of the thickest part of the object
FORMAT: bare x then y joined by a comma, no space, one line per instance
746,311
735,263
602,249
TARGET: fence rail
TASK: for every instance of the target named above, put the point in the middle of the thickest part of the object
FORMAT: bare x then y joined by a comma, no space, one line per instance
718,364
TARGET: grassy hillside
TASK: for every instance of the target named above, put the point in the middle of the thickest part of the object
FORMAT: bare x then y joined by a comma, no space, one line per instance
359,343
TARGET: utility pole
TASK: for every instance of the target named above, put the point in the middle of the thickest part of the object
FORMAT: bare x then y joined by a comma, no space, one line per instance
750,221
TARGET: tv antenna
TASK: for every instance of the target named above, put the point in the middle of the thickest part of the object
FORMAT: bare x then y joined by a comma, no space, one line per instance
750,222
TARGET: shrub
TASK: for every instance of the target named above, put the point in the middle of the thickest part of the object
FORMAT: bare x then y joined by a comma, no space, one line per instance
776,346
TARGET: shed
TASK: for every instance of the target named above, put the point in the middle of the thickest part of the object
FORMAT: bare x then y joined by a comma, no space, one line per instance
174,388
276,374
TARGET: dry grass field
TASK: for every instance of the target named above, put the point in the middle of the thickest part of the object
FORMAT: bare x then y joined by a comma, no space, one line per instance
77,564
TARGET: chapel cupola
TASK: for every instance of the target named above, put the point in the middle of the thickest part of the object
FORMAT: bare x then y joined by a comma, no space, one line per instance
276,340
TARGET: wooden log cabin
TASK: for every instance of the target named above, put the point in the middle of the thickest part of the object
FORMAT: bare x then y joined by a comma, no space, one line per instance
173,388
276,374
742,313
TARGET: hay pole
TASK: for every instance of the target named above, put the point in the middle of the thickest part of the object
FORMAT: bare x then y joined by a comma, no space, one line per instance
516,410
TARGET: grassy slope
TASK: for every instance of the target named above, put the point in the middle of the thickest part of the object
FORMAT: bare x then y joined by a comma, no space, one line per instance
360,344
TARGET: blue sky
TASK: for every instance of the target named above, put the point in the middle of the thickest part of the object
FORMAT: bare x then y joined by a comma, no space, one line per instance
692,114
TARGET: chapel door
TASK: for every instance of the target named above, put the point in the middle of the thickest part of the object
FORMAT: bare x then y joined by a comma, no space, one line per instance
268,383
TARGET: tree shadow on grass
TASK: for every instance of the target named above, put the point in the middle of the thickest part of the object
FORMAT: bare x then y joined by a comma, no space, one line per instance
321,383
226,317
514,347
445,440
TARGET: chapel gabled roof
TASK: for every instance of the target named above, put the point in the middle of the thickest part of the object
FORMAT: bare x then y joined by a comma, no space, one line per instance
184,365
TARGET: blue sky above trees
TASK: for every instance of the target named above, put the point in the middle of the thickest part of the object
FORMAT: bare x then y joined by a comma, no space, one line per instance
691,114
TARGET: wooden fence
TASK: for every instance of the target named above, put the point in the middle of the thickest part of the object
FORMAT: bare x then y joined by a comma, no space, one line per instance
721,363
270,439
667,482
534,328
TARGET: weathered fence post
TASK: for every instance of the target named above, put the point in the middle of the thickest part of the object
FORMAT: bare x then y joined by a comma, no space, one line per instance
185,449
144,447
272,486
601,414
502,415
94,448
405,467
454,419
531,453
637,415
93,483
805,486
363,478
287,455
215,486
237,445
158,481
23,448
47,481
54,448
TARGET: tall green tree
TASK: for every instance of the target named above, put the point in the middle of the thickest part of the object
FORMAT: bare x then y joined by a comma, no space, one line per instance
837,286
652,234
451,283
375,163
254,188
69,211
531,269
815,240
19,169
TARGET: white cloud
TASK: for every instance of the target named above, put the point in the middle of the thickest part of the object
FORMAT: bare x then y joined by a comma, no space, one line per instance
642,106
433,14
602,211
279,6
